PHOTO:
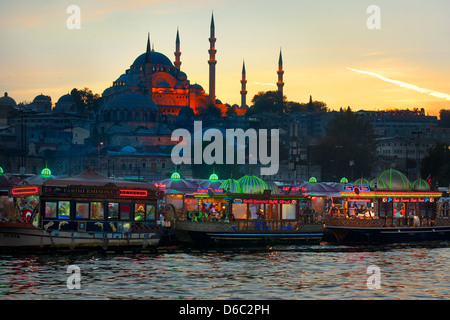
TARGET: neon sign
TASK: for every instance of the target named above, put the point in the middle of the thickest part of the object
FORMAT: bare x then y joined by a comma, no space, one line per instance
207,190
133,193
356,189
265,201
418,200
25,191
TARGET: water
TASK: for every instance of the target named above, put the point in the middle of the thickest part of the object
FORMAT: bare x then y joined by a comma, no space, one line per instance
405,273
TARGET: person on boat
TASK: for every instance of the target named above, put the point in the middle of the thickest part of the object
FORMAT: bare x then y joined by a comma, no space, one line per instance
416,222
332,210
368,214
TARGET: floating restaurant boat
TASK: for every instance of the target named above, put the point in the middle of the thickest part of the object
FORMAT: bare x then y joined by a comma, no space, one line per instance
248,211
389,210
80,212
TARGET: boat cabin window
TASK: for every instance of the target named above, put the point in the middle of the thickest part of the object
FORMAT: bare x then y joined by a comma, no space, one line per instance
113,210
150,212
144,212
50,209
125,211
82,210
97,210
63,209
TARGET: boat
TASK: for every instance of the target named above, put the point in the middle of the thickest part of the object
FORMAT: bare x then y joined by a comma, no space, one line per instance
231,216
391,211
88,211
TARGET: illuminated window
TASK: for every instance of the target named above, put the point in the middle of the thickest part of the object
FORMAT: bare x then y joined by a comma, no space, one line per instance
82,210
150,212
63,209
50,209
97,210
125,210
113,210
139,212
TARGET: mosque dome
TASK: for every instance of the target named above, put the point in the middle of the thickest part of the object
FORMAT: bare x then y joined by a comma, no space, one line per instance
130,101
252,184
66,103
42,98
196,87
391,179
7,101
67,98
181,76
164,85
157,58
127,150
179,86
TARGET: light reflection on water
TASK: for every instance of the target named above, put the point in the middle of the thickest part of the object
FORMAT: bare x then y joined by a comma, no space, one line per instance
414,273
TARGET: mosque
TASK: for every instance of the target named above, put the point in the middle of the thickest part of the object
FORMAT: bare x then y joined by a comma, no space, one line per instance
158,87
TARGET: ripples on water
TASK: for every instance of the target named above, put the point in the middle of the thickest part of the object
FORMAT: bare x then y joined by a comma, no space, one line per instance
414,273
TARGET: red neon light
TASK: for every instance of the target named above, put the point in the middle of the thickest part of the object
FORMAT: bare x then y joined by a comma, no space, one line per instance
133,193
25,191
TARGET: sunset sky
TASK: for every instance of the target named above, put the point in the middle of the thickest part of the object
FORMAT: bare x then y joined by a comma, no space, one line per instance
328,50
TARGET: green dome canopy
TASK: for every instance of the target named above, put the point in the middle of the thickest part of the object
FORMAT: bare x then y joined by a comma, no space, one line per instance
252,184
392,179
361,182
273,187
1,171
344,180
213,177
312,180
175,176
46,173
420,185
231,185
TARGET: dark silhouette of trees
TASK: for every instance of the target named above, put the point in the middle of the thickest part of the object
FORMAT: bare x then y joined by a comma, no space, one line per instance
437,163
348,149
86,100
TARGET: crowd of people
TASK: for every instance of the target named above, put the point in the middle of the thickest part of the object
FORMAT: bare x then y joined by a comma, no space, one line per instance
353,211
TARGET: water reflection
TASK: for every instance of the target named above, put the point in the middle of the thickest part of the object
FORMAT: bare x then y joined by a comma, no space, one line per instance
415,273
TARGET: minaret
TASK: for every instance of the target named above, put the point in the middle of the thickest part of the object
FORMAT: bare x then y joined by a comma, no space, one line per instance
243,89
177,61
212,63
280,72
148,69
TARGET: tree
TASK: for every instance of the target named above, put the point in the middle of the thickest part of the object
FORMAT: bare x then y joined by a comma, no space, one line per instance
231,110
211,111
85,100
269,101
437,163
348,149
185,118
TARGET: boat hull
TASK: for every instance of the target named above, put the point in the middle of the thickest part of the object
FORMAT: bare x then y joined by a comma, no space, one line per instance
223,234
27,237
372,234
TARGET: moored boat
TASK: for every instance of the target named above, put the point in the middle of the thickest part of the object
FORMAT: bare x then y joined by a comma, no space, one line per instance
231,216
390,211
82,212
